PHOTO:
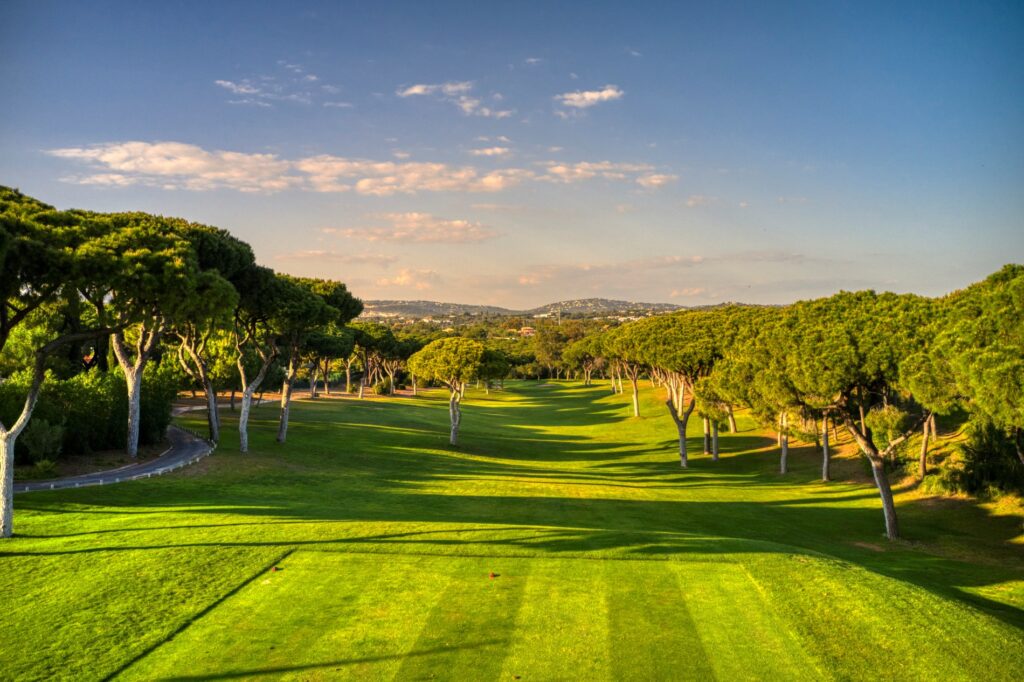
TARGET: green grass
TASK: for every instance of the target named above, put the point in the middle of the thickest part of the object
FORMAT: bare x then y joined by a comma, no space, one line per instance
611,562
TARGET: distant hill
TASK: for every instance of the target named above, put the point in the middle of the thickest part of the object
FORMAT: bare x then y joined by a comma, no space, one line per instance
586,307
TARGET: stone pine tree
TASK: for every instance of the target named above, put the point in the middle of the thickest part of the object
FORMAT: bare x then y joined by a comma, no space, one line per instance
453,362
222,261
42,263
298,313
151,279
254,334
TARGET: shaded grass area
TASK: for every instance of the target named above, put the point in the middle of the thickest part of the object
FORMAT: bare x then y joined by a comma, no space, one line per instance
612,562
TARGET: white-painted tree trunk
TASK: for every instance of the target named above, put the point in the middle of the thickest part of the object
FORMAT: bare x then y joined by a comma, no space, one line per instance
8,438
636,398
243,419
714,441
707,435
134,381
455,414
286,401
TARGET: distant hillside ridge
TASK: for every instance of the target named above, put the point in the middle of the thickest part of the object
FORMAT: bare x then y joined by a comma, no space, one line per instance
577,307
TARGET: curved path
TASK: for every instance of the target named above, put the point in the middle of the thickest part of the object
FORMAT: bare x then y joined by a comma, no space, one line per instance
186,448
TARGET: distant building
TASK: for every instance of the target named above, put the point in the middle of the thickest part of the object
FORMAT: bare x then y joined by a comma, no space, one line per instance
527,331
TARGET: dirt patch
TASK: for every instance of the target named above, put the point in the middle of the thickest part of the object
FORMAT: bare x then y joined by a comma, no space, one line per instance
869,545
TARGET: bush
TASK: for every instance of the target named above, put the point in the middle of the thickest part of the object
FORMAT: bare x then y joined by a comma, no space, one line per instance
382,387
42,440
93,408
986,464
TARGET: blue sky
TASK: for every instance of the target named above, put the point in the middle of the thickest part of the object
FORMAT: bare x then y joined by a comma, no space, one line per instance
521,153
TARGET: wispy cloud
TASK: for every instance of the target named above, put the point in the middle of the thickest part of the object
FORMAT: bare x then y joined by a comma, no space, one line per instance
656,180
533,61
177,165
457,93
292,83
421,227
379,260
698,200
584,99
418,279
491,151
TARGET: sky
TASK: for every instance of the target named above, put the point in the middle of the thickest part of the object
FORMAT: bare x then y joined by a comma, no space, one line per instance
522,153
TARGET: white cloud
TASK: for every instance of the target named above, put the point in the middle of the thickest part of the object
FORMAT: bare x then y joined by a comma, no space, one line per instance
577,273
533,61
454,92
586,170
583,99
419,279
656,180
687,292
339,105
243,88
450,89
180,166
744,204
339,257
490,151
177,165
698,200
422,227
384,178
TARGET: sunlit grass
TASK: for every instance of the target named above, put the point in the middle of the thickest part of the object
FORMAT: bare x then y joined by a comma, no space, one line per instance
610,561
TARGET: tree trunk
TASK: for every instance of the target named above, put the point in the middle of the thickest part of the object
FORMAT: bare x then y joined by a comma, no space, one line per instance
925,432
134,381
348,378
391,381
1016,444
414,385
362,385
707,435
636,396
286,401
892,528
314,379
133,371
243,420
732,421
7,440
327,376
714,441
826,474
455,414
681,421
784,444
212,416
232,400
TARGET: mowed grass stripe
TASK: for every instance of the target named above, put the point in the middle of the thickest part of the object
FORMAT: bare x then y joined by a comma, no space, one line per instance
742,638
562,629
653,633
323,616
471,626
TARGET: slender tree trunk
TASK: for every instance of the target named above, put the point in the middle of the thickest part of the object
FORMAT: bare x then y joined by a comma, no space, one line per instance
314,379
249,388
892,528
867,447
327,376
707,435
243,419
925,432
784,444
348,378
1016,444
8,438
732,421
620,388
826,474
7,441
681,418
391,381
414,385
714,441
455,413
636,396
134,381
212,416
133,371
286,400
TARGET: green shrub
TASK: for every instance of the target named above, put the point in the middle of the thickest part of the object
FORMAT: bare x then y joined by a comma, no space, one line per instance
986,465
42,440
382,387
